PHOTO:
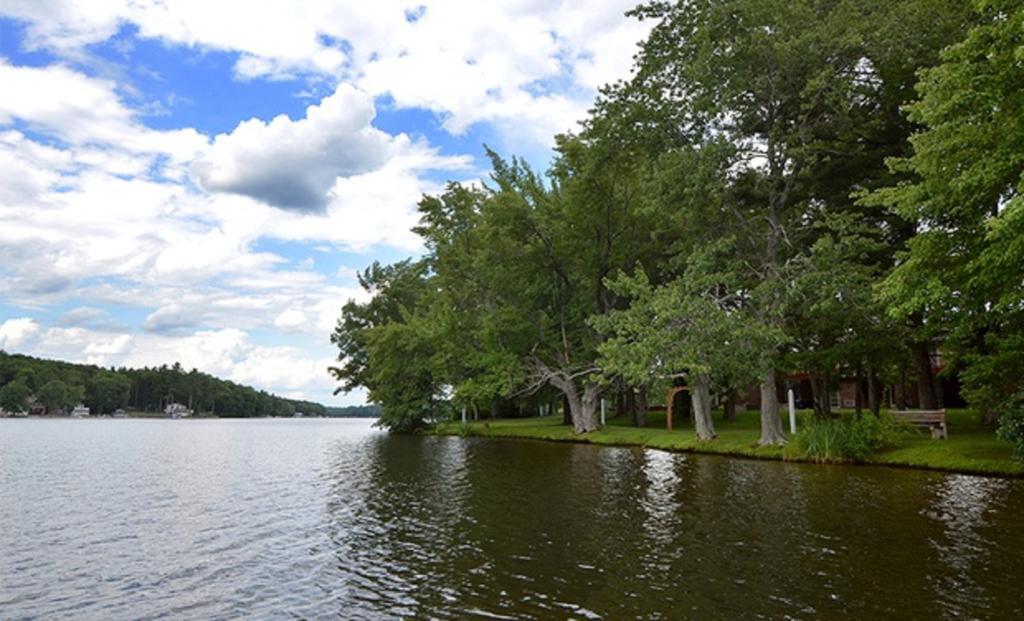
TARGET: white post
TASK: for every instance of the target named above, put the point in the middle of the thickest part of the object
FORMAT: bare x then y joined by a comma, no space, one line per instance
602,412
463,415
792,412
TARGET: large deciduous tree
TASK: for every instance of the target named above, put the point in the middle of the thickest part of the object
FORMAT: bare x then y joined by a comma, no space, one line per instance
962,271
681,329
804,97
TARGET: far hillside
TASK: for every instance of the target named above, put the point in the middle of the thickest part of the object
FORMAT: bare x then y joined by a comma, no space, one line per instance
53,387
354,411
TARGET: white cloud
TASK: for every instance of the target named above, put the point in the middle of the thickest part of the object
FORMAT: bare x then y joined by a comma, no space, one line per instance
15,332
469,61
109,347
81,110
27,168
99,211
292,164
382,202
66,26
290,320
90,317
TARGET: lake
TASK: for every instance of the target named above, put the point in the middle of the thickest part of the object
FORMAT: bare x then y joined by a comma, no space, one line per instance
216,519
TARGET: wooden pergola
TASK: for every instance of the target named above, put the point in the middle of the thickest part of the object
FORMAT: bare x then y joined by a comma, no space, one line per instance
670,401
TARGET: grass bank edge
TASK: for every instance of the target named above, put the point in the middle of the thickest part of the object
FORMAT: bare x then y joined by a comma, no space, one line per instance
971,448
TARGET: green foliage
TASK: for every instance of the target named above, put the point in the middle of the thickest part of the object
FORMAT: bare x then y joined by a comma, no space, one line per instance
354,411
727,215
14,397
961,273
499,306
148,389
389,349
405,382
679,328
394,289
56,395
833,440
1011,423
106,392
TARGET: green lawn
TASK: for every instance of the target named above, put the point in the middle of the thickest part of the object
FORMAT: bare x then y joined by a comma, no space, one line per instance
971,447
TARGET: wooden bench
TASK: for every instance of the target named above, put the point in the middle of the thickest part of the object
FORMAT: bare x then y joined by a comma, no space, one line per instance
934,420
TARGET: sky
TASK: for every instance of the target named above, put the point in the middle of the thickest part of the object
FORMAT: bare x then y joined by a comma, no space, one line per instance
200,181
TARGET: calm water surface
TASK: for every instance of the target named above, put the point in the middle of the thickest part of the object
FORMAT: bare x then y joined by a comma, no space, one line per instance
212,519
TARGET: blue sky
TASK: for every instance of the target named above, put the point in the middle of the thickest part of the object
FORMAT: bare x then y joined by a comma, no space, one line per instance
200,181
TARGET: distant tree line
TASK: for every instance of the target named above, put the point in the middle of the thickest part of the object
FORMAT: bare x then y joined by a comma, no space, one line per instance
58,385
354,411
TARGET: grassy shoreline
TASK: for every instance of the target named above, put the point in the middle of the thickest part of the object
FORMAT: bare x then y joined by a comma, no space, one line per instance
970,449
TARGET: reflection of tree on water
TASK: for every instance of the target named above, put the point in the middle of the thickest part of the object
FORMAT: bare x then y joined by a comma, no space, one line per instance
394,504
961,506
660,502
422,527
538,519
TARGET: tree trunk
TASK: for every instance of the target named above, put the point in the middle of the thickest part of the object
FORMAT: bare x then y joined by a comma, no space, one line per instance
874,395
771,426
820,395
640,407
988,417
729,414
858,393
927,399
583,409
566,414
901,394
700,395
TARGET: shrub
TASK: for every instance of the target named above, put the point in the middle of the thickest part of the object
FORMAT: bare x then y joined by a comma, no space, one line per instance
1011,423
845,441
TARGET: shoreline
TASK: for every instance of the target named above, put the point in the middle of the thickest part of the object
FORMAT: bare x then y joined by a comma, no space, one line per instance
967,452
155,416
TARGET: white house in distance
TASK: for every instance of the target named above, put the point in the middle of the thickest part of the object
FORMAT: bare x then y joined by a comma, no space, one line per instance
79,411
177,410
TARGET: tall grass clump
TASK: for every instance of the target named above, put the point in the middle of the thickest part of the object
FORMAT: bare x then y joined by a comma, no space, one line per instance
837,441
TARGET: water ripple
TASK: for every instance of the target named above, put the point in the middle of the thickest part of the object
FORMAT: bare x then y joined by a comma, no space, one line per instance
330,519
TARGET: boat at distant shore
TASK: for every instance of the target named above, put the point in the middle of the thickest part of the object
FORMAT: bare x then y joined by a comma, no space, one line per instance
177,410
80,411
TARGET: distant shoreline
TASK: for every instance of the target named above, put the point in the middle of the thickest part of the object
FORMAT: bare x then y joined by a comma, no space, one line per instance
158,416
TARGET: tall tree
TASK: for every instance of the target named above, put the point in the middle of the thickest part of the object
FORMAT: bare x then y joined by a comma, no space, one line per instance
961,273
681,329
758,77
805,95
387,345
